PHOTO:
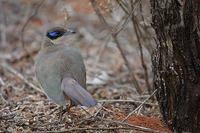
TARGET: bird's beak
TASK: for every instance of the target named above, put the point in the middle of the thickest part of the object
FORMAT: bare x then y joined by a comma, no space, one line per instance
69,31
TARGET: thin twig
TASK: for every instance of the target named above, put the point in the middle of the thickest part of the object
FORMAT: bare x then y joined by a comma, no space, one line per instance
20,76
2,83
5,56
3,35
114,35
119,123
139,106
29,19
98,110
67,17
131,127
17,57
115,30
137,86
142,56
27,22
101,49
86,111
139,128
123,5
3,26
124,8
127,19
7,116
54,110
126,101
92,128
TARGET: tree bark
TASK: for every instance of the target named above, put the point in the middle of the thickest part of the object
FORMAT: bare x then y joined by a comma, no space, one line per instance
176,62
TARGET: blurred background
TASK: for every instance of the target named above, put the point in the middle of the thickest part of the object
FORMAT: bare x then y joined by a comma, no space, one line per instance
116,45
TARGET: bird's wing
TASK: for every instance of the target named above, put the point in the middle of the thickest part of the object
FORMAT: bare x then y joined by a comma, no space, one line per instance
50,80
77,93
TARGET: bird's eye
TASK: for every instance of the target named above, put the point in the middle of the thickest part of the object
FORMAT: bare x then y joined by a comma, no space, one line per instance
54,34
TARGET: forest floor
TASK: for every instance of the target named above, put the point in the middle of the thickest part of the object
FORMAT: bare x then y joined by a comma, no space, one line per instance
24,108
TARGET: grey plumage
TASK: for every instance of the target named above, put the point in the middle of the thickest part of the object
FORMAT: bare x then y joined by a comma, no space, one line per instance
61,72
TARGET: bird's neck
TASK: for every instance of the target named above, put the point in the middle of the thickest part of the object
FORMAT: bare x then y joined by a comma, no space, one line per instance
47,43
50,46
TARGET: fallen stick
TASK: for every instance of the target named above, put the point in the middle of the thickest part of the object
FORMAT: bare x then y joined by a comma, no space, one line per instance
20,76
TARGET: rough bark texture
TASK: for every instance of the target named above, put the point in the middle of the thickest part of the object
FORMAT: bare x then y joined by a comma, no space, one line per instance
176,62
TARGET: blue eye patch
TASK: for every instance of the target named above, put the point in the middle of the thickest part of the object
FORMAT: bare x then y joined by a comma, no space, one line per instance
54,33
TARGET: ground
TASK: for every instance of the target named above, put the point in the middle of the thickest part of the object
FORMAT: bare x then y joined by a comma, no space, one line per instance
24,108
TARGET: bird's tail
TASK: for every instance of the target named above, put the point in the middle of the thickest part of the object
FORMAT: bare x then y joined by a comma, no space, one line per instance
77,93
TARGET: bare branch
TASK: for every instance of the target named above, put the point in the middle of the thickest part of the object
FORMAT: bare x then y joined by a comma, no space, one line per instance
142,56
126,101
114,35
20,76
139,106
92,128
139,128
27,22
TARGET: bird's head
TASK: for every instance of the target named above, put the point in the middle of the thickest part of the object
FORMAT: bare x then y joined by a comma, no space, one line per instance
58,32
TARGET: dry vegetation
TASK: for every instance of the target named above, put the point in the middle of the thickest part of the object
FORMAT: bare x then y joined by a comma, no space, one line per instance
116,41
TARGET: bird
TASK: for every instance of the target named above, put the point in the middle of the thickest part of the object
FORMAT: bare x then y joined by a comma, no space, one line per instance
61,72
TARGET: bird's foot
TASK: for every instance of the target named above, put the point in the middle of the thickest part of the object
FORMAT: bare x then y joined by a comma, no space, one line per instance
63,110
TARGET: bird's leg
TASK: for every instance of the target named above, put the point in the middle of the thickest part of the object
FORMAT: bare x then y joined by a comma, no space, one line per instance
60,113
65,109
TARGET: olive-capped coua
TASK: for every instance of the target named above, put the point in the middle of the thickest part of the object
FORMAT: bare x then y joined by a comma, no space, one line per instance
61,72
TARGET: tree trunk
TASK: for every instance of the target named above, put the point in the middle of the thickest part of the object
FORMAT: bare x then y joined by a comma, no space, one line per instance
176,62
